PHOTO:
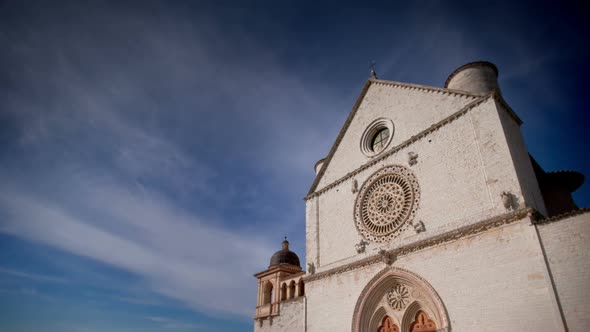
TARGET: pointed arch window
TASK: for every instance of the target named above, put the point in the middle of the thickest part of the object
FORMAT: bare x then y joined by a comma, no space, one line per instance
387,325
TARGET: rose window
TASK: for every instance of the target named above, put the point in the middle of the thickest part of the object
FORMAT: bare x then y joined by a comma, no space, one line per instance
387,201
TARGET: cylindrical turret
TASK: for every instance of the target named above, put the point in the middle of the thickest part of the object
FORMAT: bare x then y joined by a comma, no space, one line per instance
478,77
318,165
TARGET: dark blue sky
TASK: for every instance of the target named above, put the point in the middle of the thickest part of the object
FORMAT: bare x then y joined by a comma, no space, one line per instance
154,154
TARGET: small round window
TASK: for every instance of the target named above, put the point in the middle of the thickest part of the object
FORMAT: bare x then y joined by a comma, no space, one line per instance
377,137
380,140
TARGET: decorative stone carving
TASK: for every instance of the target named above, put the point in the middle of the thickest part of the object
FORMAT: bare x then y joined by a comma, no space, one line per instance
355,186
412,158
419,226
507,200
398,297
310,268
387,325
388,200
386,257
360,247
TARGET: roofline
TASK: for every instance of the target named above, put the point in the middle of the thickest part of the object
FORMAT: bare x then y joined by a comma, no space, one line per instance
357,103
495,94
328,158
395,149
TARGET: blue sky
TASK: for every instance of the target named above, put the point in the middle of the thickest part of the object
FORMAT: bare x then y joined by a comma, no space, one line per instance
154,154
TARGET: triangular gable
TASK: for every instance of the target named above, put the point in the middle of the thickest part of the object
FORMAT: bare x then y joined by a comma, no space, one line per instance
352,114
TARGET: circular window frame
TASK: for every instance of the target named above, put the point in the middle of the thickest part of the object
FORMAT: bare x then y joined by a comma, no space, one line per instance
405,178
373,129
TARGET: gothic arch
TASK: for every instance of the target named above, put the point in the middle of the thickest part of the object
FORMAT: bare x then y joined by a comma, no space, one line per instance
420,296
412,312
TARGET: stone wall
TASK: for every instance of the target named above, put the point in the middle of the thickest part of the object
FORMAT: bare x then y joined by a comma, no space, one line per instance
494,281
462,169
567,246
291,318
411,110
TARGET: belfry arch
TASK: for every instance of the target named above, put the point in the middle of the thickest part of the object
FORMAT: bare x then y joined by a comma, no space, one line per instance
404,298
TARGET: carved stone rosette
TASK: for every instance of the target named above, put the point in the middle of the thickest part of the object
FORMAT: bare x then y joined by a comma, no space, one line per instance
386,202
398,297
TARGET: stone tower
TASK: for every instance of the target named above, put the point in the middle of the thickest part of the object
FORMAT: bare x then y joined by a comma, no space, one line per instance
280,286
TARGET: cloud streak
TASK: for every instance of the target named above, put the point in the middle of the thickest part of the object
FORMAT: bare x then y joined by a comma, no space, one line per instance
163,246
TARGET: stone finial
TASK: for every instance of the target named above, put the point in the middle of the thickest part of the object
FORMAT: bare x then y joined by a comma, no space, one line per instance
507,200
418,226
412,158
360,247
386,257
285,244
355,186
373,73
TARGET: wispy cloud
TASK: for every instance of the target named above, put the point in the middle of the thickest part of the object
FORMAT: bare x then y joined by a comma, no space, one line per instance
33,276
177,254
168,323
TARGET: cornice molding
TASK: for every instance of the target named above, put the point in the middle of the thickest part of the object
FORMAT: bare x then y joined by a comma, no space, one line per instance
279,268
426,88
453,235
562,216
395,149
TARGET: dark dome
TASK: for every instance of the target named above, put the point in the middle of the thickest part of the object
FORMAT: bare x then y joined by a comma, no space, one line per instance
284,256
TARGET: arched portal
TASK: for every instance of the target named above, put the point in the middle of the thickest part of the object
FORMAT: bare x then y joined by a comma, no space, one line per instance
396,292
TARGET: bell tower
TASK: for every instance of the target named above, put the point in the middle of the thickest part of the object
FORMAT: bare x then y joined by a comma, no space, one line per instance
281,283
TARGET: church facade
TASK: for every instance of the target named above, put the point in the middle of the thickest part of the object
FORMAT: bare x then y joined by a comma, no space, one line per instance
428,214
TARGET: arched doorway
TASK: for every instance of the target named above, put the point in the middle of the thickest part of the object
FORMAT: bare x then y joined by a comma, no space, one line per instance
403,294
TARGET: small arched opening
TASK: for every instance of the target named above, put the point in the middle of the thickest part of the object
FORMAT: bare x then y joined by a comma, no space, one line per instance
387,325
292,289
301,288
267,293
422,323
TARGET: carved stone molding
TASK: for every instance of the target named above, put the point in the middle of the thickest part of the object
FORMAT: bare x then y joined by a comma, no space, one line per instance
398,297
382,282
456,234
541,220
